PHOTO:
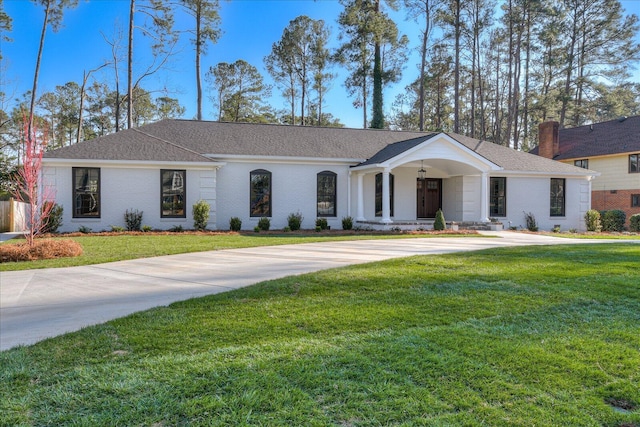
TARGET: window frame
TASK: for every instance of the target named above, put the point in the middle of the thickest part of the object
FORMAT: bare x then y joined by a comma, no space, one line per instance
555,199
184,194
378,194
493,203
332,195
634,163
581,163
75,193
269,211
635,200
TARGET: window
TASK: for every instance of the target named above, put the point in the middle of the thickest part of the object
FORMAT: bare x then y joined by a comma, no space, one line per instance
584,163
86,192
173,193
498,197
557,197
635,200
634,163
379,194
326,194
260,193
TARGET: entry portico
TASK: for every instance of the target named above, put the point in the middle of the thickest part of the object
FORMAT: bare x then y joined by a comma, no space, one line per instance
441,172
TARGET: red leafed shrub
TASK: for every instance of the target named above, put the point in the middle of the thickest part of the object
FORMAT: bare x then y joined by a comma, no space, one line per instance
41,249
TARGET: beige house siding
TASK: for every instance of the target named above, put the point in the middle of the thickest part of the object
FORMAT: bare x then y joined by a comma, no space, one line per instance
614,188
614,173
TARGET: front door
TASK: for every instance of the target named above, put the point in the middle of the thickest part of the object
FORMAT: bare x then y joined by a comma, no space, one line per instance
429,197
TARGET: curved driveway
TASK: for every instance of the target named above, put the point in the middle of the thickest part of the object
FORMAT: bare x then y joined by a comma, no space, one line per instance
38,304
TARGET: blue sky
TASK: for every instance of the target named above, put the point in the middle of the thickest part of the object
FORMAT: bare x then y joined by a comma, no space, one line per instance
249,27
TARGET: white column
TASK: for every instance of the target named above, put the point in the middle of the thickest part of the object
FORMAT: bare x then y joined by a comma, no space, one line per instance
386,206
484,197
360,195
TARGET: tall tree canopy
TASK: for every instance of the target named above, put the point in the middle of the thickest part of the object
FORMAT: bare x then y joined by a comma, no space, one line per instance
207,30
239,90
298,62
372,50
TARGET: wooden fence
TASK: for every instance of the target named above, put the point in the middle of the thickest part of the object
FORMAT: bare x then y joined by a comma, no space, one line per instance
13,215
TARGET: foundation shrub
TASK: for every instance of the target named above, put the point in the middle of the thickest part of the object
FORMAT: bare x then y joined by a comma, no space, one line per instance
634,223
613,220
347,223
439,224
295,221
530,219
592,220
201,215
235,224
133,219
322,223
264,223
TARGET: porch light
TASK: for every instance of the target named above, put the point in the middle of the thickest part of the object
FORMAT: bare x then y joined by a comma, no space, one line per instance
422,174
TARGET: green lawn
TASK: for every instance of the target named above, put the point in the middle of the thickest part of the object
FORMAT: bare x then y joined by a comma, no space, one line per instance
546,336
118,247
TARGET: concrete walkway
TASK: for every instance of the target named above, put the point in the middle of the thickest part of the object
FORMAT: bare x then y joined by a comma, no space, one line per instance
38,304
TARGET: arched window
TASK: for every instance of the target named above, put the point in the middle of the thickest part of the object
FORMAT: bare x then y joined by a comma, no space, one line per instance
379,193
260,193
326,194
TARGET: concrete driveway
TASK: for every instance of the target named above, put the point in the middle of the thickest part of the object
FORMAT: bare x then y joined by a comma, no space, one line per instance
38,304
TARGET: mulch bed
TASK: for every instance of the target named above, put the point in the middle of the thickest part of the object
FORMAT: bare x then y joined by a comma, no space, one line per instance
41,249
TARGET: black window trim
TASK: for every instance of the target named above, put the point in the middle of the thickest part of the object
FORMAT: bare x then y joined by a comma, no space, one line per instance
494,213
74,171
637,163
184,193
563,212
270,206
581,163
335,193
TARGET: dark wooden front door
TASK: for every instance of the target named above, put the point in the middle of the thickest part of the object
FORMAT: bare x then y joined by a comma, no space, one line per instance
429,197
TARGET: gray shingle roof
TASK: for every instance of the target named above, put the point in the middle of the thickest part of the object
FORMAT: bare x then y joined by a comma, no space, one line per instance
599,139
514,160
191,141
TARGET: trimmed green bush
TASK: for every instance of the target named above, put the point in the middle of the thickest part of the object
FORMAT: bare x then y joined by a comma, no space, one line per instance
439,224
634,223
54,220
347,223
264,224
201,214
235,224
592,220
613,220
322,223
133,219
295,221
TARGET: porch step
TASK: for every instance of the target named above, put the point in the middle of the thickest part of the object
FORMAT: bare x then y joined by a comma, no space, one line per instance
469,225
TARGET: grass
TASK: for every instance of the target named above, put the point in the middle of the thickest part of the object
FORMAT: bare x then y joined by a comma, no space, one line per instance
117,247
517,337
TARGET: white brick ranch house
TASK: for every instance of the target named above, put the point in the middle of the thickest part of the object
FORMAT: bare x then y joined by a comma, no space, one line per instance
380,178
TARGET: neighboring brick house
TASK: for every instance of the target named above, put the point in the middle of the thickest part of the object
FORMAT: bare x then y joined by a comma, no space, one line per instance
611,148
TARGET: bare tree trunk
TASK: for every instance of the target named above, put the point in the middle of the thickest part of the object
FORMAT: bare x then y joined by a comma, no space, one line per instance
130,68
36,74
456,95
198,53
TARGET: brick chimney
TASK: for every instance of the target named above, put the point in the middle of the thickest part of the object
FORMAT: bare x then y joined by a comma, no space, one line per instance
548,139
